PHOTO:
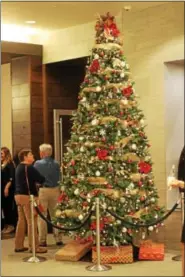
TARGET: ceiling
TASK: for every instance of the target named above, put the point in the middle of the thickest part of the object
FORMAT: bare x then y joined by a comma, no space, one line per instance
57,15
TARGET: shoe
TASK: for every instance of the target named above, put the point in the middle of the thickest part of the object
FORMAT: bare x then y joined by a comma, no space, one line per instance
9,229
59,243
43,244
21,249
40,250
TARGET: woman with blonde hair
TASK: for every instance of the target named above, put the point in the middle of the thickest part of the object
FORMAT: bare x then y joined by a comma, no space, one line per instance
7,190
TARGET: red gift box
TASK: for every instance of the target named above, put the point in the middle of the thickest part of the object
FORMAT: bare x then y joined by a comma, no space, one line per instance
114,255
151,251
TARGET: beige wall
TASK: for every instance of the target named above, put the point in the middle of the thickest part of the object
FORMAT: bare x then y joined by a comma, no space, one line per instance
71,43
6,108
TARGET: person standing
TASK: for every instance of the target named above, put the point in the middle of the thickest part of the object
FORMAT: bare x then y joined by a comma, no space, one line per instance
49,193
180,185
7,191
26,180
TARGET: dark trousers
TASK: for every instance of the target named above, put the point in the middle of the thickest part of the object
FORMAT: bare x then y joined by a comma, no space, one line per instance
9,210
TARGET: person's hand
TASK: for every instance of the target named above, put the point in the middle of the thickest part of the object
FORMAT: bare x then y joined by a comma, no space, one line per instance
177,184
6,191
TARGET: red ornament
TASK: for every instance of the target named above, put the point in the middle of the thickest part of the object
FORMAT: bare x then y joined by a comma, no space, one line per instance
108,186
95,66
127,91
144,167
112,147
129,231
76,181
103,139
96,192
72,171
110,27
72,162
110,169
102,154
140,183
85,204
121,113
62,197
93,225
142,198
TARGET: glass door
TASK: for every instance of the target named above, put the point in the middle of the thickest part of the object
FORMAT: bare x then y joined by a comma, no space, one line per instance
62,132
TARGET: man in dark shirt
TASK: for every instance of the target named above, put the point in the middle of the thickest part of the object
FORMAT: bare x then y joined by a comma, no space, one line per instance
26,178
50,191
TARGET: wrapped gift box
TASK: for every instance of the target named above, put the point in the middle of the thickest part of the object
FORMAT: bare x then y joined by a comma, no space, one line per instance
114,255
151,251
73,251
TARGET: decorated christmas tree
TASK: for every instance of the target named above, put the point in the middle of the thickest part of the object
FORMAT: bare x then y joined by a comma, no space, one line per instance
108,152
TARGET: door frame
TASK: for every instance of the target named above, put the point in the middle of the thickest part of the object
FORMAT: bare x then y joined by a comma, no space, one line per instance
57,140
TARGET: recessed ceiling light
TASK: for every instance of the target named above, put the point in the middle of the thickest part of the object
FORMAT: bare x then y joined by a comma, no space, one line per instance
127,8
30,22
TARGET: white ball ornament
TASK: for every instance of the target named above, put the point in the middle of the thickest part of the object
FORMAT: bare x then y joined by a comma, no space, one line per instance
80,217
82,149
98,89
122,75
142,122
123,63
124,230
150,228
94,122
124,101
97,173
83,99
119,133
58,213
81,138
96,56
77,191
134,146
122,200
152,200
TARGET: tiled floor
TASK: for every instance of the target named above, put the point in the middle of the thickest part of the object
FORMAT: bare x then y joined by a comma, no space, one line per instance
13,265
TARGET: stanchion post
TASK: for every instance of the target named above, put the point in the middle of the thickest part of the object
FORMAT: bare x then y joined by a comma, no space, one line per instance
33,259
179,257
98,266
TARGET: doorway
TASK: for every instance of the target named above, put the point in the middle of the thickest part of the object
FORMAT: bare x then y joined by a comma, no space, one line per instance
62,132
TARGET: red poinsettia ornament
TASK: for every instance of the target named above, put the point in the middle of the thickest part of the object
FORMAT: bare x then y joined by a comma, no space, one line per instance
95,66
102,154
144,167
127,91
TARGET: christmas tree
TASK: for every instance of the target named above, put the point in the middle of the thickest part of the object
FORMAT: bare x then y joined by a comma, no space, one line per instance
108,153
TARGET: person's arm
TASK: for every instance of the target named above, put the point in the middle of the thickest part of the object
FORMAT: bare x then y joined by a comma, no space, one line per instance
36,176
58,171
177,184
11,173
